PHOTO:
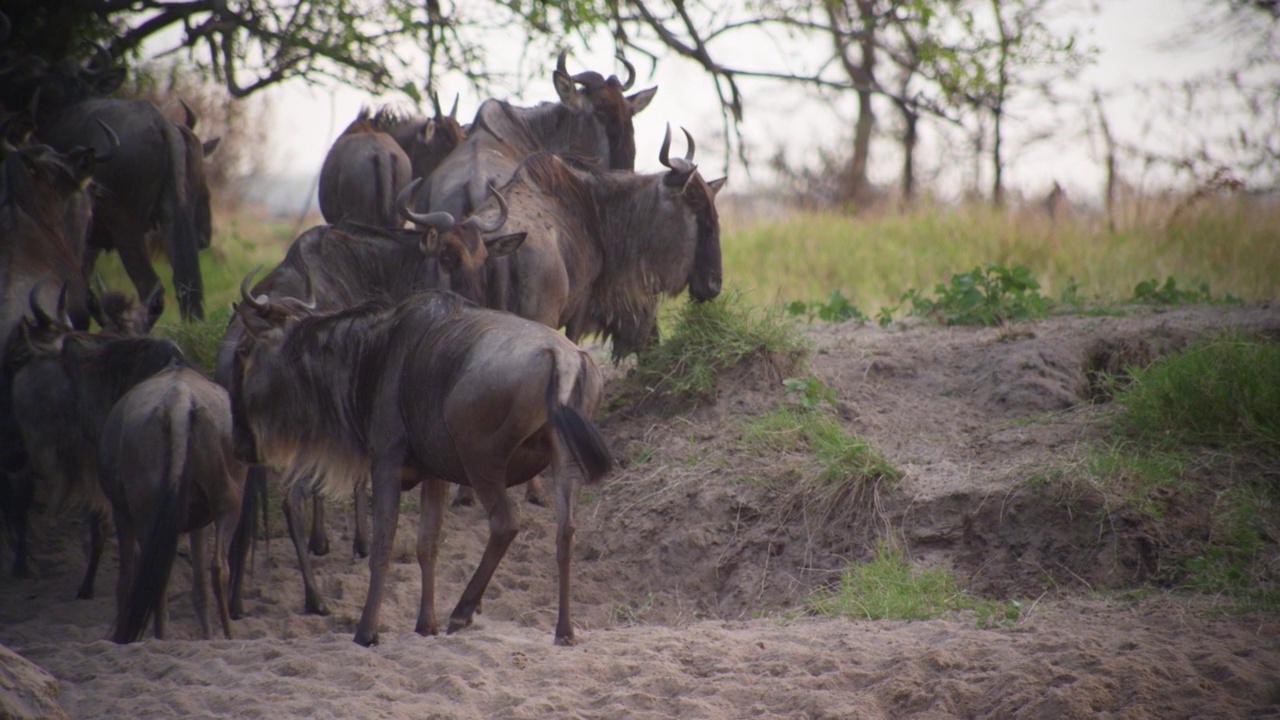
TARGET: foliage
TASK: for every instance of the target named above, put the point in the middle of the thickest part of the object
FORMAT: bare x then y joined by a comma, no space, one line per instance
837,308
1151,291
1220,392
889,588
843,458
987,295
809,391
709,337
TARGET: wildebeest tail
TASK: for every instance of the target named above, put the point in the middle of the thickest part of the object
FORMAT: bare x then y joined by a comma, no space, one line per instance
245,539
177,225
577,432
160,544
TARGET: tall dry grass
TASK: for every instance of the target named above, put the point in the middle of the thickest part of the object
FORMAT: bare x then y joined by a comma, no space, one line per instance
1231,243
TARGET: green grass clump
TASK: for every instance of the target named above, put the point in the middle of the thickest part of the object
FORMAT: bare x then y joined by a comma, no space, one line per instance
706,338
889,588
842,457
199,339
1221,393
987,295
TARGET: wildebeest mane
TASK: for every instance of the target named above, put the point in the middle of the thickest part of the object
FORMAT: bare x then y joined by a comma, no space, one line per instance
548,126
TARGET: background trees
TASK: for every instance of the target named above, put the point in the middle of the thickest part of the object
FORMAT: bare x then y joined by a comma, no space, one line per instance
894,72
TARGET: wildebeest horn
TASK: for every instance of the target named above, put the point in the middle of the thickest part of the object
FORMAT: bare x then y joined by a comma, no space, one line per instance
631,73
440,220
474,220
113,143
258,304
685,165
453,112
101,61
435,102
33,300
191,118
560,68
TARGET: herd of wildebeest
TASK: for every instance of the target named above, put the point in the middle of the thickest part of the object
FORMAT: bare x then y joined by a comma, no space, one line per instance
412,341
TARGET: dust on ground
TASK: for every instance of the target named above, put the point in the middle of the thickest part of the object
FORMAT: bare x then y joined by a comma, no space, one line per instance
696,558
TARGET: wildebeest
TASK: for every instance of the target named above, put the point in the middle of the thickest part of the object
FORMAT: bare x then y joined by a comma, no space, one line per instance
592,126
166,465
156,180
602,247
427,141
363,172
64,382
346,265
45,207
431,390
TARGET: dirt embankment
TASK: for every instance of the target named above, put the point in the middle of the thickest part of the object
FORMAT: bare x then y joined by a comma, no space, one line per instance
694,561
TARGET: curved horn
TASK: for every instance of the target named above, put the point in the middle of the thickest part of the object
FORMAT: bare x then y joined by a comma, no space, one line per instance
631,73
688,155
453,112
257,304
113,143
191,119
101,61
663,152
560,61
435,102
474,220
441,220
33,301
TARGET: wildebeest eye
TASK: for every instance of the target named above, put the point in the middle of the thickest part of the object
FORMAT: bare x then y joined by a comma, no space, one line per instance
450,260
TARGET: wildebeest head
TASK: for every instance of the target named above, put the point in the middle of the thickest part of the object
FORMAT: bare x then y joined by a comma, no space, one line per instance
605,99
119,314
685,186
427,141
45,208
460,248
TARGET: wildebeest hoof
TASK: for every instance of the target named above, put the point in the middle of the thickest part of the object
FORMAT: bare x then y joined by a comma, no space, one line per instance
367,640
360,547
456,624
566,641
319,548
426,630
317,607
461,500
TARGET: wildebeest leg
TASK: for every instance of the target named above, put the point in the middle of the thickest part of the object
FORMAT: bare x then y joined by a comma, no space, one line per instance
360,544
533,494
319,542
137,264
490,488
220,573
385,481
566,498
18,496
296,518
95,554
199,585
431,519
127,541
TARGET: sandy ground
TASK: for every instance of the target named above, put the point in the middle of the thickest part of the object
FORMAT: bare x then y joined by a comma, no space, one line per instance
696,557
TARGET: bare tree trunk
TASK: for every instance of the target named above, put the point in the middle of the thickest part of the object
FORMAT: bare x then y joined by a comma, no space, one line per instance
910,120
864,76
997,109
1110,194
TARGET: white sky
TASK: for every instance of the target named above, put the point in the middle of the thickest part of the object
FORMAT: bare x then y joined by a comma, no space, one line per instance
1125,32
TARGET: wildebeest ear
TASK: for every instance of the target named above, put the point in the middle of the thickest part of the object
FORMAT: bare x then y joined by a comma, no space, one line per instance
505,245
639,101
565,88
718,184
210,145
428,130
